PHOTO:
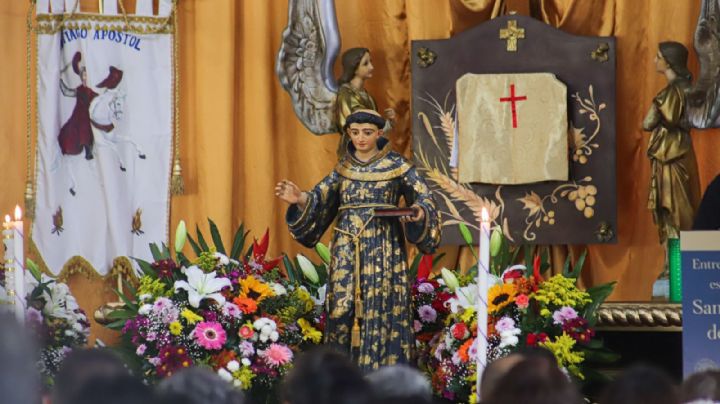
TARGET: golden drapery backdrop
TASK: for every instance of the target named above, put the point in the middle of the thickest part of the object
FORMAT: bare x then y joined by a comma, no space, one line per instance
239,134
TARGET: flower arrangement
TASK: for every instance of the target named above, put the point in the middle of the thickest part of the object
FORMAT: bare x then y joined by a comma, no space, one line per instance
524,310
239,314
54,316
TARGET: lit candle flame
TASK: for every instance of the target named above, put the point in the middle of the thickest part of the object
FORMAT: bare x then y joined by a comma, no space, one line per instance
18,213
7,218
484,215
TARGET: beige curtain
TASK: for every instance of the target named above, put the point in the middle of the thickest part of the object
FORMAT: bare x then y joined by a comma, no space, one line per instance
239,134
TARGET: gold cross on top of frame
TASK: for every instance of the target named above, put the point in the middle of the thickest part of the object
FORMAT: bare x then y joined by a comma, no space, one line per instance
512,33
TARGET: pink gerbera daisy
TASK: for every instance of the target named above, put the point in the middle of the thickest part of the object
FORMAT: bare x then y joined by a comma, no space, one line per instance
277,355
210,335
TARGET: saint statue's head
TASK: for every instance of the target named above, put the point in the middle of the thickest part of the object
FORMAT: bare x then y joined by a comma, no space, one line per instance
675,55
364,127
355,61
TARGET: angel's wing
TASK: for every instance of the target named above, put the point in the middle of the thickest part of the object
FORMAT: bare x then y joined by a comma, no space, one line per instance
703,106
310,44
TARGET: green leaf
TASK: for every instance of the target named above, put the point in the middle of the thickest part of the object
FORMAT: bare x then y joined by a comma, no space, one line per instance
128,302
146,268
577,268
238,242
34,270
201,239
116,325
321,269
217,240
183,261
598,294
157,255
600,355
122,314
413,270
196,248
289,269
436,259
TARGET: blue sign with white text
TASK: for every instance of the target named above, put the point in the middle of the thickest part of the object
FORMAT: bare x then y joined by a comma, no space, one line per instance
701,311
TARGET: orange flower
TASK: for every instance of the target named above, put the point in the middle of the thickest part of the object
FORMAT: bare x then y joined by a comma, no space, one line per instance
246,304
463,351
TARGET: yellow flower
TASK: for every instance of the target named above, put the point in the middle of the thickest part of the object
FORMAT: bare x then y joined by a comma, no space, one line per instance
309,332
254,289
545,312
175,328
304,296
560,291
245,375
562,348
190,317
467,315
153,287
500,296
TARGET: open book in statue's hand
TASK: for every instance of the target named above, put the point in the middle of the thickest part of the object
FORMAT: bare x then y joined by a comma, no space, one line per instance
395,212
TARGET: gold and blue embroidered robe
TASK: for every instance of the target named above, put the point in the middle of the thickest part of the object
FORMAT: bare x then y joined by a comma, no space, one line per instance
373,247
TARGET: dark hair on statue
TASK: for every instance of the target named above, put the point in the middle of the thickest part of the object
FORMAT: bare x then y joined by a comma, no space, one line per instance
676,56
364,117
350,62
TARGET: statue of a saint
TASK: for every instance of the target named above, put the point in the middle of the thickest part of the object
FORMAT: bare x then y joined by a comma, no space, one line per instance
351,96
368,312
674,184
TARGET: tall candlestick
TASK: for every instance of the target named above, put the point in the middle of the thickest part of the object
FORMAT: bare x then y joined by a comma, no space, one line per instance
8,260
482,308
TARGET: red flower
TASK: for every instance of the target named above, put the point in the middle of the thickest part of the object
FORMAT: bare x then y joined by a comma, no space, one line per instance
536,269
459,331
522,301
172,358
510,276
425,266
165,268
257,262
536,338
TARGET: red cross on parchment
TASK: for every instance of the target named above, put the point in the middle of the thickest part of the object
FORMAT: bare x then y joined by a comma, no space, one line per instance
512,99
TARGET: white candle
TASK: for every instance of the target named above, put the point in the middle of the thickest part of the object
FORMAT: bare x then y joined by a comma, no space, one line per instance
482,312
8,260
19,265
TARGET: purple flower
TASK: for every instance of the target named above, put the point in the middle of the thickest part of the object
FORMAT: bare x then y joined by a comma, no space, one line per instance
505,324
231,310
417,326
564,314
161,304
426,288
140,351
155,361
34,316
151,336
246,349
427,314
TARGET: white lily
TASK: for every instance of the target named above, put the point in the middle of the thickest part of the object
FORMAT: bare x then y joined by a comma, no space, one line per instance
308,269
202,285
465,297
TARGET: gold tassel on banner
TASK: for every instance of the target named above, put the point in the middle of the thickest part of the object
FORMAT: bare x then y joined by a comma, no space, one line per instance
355,335
177,185
29,200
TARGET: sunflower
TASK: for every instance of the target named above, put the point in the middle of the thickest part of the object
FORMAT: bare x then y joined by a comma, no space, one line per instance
500,296
254,289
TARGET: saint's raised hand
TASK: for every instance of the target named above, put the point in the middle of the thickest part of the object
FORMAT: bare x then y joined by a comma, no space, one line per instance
289,192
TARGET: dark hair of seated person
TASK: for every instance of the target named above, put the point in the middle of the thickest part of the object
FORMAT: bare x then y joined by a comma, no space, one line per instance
325,376
534,380
701,386
117,390
84,366
707,216
641,384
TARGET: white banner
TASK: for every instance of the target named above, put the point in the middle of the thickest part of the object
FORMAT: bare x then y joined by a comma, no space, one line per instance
104,140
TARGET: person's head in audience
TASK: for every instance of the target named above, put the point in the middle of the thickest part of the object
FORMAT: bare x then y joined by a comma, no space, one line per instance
120,389
641,384
324,376
198,386
701,386
82,366
498,368
534,380
400,382
19,379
